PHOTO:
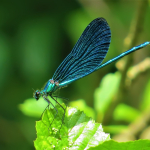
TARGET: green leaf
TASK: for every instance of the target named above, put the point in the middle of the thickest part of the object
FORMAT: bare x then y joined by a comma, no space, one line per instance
146,97
114,129
131,145
77,131
130,115
82,106
105,93
33,108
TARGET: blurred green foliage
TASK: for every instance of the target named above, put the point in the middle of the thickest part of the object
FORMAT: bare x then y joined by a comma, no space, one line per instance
35,36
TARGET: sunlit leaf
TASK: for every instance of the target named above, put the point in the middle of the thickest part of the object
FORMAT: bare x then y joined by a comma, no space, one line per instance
131,145
76,132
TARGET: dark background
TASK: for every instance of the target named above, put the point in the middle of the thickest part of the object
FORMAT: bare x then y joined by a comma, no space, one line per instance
35,37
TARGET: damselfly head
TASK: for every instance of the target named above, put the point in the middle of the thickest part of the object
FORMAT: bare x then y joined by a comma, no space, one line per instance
37,94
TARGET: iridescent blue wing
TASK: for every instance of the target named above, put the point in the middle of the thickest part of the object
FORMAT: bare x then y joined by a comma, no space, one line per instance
87,54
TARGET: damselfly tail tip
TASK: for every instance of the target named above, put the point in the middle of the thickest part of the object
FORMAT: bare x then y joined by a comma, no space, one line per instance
148,42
